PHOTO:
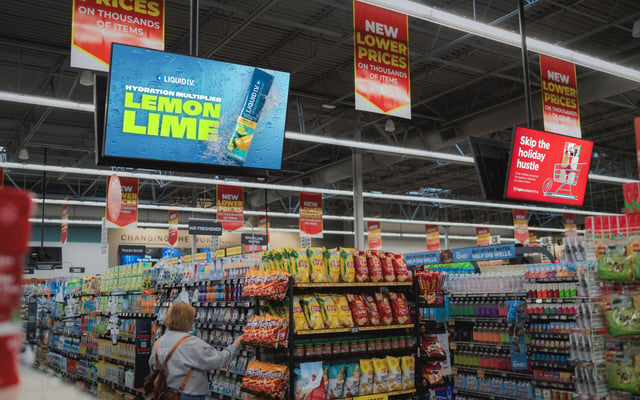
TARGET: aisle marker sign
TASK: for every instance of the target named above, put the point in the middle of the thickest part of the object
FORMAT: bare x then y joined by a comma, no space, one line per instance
521,226
122,202
433,237
374,236
483,236
381,57
64,228
98,23
230,206
560,96
173,226
310,214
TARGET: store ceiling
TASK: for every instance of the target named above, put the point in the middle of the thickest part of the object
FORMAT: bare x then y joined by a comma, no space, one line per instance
461,85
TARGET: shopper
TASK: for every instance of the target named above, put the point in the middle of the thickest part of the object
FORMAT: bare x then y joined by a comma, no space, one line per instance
186,371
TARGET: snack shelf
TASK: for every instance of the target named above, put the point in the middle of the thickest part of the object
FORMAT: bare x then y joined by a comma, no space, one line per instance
350,284
396,393
221,326
358,355
474,393
488,371
227,373
263,395
498,346
220,303
198,283
354,329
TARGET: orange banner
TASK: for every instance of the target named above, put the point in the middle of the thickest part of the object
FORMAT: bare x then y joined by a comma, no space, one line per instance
375,235
310,214
521,225
173,227
433,237
560,96
381,56
230,207
483,236
97,23
122,202
64,227
533,238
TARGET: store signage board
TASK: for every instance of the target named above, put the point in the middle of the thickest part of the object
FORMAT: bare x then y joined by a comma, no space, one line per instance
381,57
230,206
97,24
636,125
254,239
76,270
310,214
374,237
433,237
122,202
560,108
382,396
64,226
485,253
209,227
549,168
173,227
483,236
422,258
170,111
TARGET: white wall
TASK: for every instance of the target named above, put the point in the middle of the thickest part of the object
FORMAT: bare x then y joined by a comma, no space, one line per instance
85,255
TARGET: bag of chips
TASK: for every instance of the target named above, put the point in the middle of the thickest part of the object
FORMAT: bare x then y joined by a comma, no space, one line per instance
299,320
432,347
386,259
336,381
432,374
351,380
374,315
285,261
380,375
344,312
395,373
329,311
312,386
366,377
360,263
312,311
375,267
301,260
400,308
319,272
347,265
384,308
359,311
333,264
408,364
400,267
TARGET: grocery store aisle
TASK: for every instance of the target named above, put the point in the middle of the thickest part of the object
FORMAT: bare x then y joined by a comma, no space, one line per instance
36,385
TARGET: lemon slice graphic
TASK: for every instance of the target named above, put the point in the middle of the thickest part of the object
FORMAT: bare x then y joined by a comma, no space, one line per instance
244,142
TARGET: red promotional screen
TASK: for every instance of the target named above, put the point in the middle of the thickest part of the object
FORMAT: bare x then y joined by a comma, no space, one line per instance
547,167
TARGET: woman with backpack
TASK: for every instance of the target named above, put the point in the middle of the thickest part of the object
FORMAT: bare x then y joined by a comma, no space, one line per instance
179,362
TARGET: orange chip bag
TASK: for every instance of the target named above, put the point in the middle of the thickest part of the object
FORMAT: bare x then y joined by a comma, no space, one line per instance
400,267
347,265
374,314
318,267
400,308
358,310
360,263
375,267
384,307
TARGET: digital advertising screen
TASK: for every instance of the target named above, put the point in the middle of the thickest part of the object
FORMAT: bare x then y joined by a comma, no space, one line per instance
546,167
178,112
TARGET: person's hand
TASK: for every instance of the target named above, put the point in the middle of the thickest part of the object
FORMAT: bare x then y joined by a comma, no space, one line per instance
238,341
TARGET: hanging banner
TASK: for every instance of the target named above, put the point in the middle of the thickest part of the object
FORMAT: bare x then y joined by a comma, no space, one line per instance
560,96
533,238
173,227
230,206
375,235
96,24
1,177
122,202
263,222
483,236
631,193
433,237
636,124
64,226
381,57
521,226
310,214
570,225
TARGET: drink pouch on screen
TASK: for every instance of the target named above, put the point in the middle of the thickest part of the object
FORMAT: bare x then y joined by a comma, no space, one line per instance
248,119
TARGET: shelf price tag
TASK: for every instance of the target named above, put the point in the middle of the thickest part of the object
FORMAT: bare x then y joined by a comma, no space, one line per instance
354,330
480,374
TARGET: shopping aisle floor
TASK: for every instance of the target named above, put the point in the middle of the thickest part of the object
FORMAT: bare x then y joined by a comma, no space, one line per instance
37,385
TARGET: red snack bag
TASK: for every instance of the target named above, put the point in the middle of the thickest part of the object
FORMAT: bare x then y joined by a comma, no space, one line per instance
374,314
400,308
360,261
388,271
359,311
384,308
375,267
400,267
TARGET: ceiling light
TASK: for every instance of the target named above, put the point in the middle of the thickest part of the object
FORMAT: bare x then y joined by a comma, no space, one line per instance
23,154
389,126
328,106
636,29
86,78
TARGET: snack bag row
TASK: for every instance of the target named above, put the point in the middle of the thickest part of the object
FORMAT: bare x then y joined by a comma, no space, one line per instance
389,374
269,284
266,330
267,379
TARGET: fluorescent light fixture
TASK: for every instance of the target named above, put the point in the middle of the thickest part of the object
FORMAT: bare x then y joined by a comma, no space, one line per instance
389,125
45,101
328,106
432,14
23,154
86,78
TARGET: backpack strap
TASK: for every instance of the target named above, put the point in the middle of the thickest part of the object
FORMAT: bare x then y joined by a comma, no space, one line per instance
173,349
185,380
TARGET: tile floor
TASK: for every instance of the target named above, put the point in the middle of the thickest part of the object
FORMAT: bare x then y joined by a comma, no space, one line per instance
37,385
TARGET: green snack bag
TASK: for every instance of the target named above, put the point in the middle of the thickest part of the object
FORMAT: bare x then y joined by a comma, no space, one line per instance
622,316
616,264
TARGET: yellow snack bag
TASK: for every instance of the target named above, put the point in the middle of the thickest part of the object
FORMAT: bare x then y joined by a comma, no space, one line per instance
286,261
347,265
366,377
333,263
408,364
395,373
312,312
329,311
301,265
299,320
344,311
318,268
380,375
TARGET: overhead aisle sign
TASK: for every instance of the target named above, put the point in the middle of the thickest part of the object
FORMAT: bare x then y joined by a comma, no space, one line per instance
64,228
374,236
433,237
122,202
311,214
230,206
483,236
99,23
381,56
560,106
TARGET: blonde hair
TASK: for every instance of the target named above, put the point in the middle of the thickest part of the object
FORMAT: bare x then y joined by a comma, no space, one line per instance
180,317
